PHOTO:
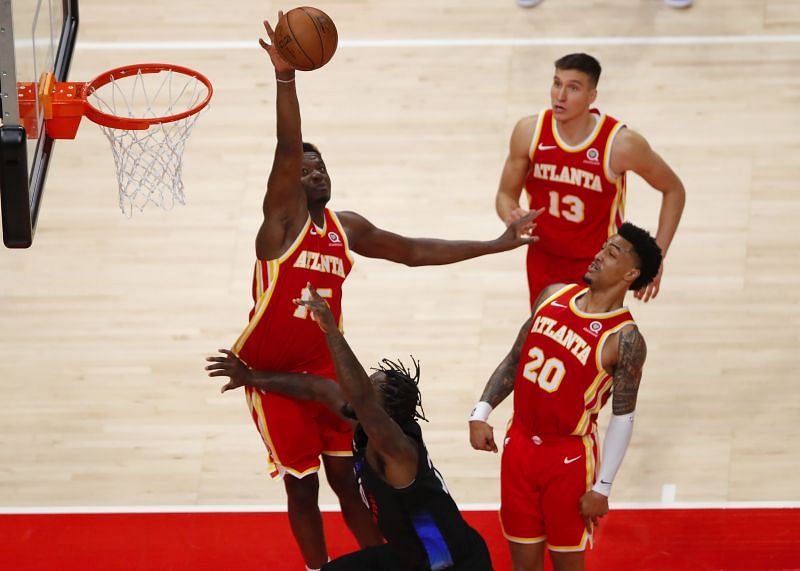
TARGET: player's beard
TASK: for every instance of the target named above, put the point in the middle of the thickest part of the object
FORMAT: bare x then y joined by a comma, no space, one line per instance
587,279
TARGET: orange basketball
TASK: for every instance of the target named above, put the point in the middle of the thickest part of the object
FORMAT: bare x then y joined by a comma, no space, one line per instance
306,38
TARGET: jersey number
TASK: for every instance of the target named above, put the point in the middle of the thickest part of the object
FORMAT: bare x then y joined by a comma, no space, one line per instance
547,373
569,207
302,311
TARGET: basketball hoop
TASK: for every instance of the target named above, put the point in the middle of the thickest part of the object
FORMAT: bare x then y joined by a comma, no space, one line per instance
147,112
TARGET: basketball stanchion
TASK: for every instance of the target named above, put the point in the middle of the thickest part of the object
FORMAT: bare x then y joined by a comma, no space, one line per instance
147,112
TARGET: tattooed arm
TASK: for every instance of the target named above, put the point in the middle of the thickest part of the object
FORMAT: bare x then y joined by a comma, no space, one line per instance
501,383
627,376
628,372
397,451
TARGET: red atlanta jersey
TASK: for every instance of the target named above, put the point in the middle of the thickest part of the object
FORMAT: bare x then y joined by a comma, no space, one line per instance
561,384
583,199
281,336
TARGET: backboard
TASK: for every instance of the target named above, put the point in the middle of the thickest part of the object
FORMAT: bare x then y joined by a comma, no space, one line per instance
36,37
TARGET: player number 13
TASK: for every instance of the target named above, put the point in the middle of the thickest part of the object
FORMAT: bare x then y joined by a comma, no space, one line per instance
569,207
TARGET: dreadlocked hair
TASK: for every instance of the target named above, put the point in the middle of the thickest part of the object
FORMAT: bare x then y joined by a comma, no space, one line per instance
401,397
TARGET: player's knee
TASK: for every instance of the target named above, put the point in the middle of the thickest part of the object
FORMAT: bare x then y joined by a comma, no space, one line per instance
302,492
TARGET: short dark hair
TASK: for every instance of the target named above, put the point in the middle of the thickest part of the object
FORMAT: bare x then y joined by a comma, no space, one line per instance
401,396
581,62
311,148
647,253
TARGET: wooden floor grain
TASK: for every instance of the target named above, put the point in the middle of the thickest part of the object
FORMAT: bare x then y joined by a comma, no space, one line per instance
105,322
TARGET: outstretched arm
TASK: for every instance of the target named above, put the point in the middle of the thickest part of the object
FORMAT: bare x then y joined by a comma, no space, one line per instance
515,170
373,242
284,206
385,435
632,152
627,376
295,385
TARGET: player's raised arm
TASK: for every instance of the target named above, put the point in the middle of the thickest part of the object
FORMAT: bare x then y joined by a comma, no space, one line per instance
284,206
515,170
368,240
386,437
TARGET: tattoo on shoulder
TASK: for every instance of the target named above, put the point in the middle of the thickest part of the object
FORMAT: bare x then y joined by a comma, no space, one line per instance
628,373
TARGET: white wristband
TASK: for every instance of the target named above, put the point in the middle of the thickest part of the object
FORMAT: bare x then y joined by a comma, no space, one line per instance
602,487
481,412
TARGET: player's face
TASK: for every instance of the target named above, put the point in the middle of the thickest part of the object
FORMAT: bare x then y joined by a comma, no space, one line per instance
614,263
315,180
571,94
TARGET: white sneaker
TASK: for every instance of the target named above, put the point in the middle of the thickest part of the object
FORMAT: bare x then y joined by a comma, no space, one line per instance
528,3
678,3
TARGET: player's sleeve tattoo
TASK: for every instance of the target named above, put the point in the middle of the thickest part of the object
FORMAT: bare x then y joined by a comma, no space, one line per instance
628,372
501,383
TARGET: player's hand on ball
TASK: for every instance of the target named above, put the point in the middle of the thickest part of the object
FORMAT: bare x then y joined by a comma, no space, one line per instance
481,436
280,64
320,311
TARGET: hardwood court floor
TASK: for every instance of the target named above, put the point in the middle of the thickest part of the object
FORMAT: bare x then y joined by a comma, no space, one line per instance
105,322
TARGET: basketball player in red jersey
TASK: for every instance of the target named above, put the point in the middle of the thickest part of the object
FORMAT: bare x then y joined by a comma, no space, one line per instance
579,345
572,161
302,241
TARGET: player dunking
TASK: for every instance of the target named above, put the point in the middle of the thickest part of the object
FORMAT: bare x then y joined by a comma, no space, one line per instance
579,345
302,241
572,161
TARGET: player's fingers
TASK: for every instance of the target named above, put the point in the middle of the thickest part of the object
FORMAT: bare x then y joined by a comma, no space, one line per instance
227,352
587,522
268,28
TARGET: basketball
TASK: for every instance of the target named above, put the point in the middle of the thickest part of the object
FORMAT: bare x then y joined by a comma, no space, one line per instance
306,38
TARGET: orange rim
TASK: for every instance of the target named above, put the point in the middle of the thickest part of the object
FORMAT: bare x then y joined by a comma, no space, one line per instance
138,123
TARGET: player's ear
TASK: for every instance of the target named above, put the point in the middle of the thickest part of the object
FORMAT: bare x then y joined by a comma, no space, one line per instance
592,95
632,275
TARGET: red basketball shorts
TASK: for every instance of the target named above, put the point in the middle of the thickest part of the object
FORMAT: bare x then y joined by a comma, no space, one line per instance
541,482
545,269
297,432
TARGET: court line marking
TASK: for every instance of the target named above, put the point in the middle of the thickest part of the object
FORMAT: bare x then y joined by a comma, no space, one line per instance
668,493
456,42
79,510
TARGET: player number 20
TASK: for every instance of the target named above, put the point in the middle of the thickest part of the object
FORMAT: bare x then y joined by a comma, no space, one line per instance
569,207
301,311
547,373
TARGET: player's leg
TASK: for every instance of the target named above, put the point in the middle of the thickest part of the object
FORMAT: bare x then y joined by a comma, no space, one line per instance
292,437
520,518
567,561
527,556
337,455
567,536
339,471
305,518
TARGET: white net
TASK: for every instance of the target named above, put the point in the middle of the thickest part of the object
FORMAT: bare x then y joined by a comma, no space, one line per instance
149,162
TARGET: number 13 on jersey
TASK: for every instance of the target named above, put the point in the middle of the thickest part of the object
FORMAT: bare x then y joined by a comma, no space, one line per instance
569,207
301,311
